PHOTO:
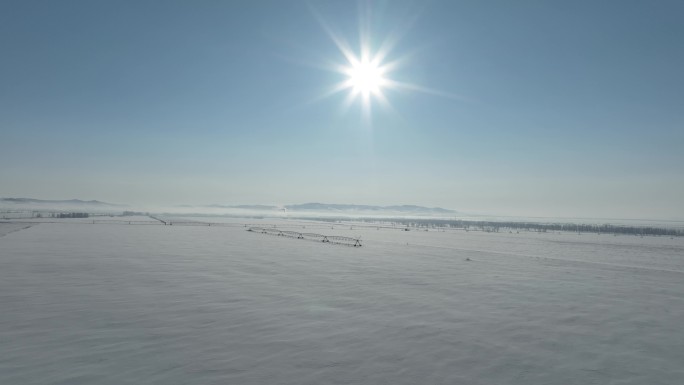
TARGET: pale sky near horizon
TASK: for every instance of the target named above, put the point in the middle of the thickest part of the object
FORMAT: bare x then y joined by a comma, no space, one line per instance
529,108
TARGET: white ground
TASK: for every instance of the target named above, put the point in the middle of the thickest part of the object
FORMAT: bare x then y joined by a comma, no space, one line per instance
149,304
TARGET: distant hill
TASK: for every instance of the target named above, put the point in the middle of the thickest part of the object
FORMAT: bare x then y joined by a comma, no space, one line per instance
341,208
68,202
405,209
246,207
333,208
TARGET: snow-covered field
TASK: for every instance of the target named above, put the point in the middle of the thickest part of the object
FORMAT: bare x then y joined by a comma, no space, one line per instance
112,303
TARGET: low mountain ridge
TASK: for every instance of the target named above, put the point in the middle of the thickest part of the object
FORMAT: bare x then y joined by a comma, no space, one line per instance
352,207
72,202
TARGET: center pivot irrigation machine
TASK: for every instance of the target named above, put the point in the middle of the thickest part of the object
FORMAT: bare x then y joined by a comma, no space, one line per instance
334,239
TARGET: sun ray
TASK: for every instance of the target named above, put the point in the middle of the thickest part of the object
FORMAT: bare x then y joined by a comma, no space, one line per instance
369,70
426,90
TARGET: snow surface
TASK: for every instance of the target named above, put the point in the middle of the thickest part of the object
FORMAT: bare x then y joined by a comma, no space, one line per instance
10,227
132,304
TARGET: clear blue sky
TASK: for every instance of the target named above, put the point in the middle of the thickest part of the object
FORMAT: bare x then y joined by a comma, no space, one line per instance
550,108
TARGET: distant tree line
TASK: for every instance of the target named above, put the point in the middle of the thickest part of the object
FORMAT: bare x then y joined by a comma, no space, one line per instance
543,227
70,215
496,226
134,213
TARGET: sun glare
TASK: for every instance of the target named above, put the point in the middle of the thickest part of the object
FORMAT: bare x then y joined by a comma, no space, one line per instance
365,77
369,70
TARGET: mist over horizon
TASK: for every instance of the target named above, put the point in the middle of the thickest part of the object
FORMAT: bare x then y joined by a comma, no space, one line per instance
310,209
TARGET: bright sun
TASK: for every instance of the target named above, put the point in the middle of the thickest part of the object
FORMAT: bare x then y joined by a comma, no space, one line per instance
369,71
365,77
